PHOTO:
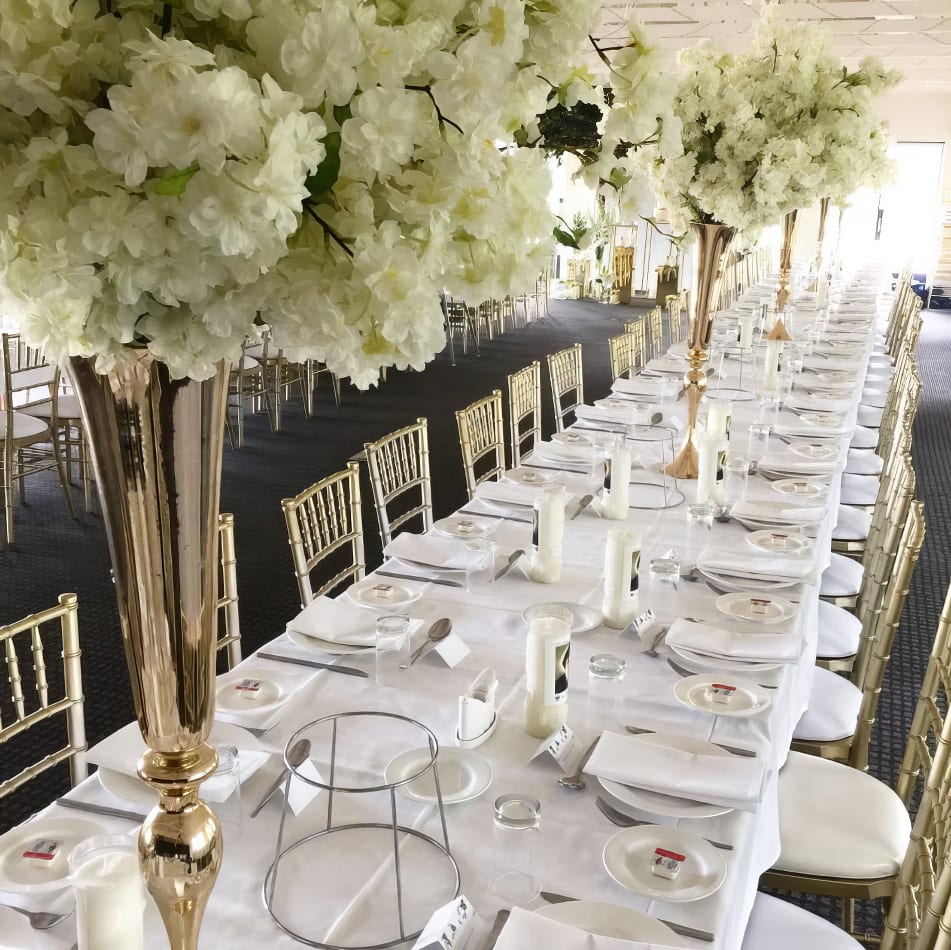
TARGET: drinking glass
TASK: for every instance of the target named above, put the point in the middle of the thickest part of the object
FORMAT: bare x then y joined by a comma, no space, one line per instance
482,568
670,387
516,838
758,442
736,470
665,570
769,409
605,689
392,648
701,515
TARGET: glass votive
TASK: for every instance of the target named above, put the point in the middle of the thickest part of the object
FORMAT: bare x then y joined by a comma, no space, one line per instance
605,689
110,893
665,571
768,409
701,514
758,443
736,471
792,363
481,570
392,648
223,791
515,845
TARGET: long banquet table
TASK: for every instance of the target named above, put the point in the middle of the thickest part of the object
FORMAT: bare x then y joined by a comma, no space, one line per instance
573,832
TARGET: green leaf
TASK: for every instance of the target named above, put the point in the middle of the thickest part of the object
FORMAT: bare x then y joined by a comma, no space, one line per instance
342,113
174,183
566,237
328,171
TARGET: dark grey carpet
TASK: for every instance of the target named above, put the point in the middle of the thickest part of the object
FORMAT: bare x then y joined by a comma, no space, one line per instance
54,554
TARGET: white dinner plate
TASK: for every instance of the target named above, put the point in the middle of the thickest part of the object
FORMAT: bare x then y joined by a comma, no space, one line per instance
585,618
463,774
730,395
30,876
530,476
627,858
462,527
657,803
325,646
611,920
840,376
745,607
616,402
780,542
133,790
703,663
570,437
229,699
364,594
695,693
736,584
816,452
800,487
822,420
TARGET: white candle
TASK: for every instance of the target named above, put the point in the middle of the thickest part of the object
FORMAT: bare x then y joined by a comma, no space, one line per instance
549,530
746,330
622,555
546,675
774,349
617,479
822,298
718,418
707,450
109,902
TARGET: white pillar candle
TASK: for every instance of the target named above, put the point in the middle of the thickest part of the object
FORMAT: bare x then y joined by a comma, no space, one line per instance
822,297
110,901
718,418
622,556
617,479
746,330
707,450
547,536
546,675
774,349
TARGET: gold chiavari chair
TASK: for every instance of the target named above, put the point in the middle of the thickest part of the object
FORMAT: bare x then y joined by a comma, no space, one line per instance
315,369
567,383
541,294
674,324
325,523
655,333
31,443
843,833
247,384
488,319
839,719
280,376
229,621
482,440
525,410
626,359
30,710
399,463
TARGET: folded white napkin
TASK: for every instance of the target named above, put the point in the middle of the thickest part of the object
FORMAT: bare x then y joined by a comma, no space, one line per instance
772,513
563,452
787,462
755,647
338,621
756,565
433,550
508,493
668,364
788,425
832,364
729,780
818,403
524,929
618,415
638,386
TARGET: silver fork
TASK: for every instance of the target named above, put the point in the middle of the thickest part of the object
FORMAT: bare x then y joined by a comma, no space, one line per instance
626,821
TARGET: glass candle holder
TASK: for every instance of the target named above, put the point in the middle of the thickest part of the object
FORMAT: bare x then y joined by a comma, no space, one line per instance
605,689
516,832
758,442
392,648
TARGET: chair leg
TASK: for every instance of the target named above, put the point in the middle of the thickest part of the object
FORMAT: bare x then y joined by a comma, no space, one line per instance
335,382
61,469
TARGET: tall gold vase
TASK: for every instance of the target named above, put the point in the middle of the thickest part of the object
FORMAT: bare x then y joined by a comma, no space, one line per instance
821,236
711,243
790,230
156,445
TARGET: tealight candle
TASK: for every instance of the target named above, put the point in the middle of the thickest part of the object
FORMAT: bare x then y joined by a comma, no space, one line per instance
774,349
745,322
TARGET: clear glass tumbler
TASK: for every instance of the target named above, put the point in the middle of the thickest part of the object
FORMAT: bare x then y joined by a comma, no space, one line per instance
758,444
736,471
516,838
605,690
392,648
481,571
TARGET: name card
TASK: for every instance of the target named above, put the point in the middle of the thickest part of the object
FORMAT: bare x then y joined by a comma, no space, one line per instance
644,622
301,794
452,650
450,927
564,747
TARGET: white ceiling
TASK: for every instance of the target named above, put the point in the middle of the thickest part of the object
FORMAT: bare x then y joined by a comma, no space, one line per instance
913,36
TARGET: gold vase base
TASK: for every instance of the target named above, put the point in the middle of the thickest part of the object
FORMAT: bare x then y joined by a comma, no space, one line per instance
686,464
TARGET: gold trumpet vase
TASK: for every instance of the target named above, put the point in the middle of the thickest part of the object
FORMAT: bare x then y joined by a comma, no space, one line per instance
711,243
790,229
156,445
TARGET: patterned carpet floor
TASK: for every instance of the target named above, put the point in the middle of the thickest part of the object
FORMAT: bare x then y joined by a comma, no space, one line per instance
53,553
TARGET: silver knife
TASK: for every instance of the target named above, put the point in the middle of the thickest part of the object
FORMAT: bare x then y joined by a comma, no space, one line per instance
100,809
422,580
500,918
585,501
681,929
557,468
489,514
736,750
313,664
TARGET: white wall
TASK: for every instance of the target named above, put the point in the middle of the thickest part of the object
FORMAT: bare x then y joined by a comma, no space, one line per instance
921,117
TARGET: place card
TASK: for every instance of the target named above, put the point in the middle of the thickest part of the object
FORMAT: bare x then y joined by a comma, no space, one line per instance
644,623
452,650
450,927
564,747
301,794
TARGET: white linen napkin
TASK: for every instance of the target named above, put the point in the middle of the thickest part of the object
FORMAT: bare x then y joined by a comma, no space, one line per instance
431,549
787,462
338,621
817,403
619,415
508,493
791,425
709,640
524,929
773,513
756,564
729,780
563,452
638,386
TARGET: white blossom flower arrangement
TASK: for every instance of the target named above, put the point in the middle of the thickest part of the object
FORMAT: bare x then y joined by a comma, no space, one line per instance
175,175
767,131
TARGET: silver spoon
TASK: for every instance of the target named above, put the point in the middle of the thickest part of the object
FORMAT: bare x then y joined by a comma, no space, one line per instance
298,752
509,564
438,631
39,919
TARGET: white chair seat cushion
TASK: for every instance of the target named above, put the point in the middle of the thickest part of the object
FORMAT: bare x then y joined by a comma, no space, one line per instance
837,821
863,462
859,489
852,524
875,398
778,925
877,360
869,416
67,407
842,578
833,709
24,426
839,632
864,438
